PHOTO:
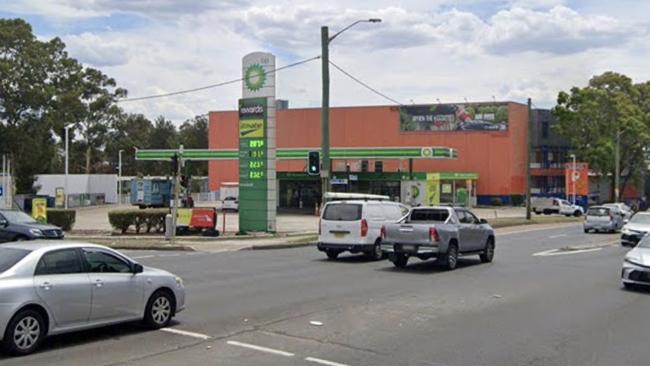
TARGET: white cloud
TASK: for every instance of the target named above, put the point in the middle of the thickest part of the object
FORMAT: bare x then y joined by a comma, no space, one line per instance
421,51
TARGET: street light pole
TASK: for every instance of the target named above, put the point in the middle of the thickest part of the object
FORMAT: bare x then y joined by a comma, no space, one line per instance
325,109
617,173
65,189
573,177
119,177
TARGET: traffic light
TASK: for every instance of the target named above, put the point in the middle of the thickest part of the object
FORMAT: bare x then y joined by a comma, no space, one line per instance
174,164
314,163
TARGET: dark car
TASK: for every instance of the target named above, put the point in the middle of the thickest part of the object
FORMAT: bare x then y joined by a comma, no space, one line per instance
16,226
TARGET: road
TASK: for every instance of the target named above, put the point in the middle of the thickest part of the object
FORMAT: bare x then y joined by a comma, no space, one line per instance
531,306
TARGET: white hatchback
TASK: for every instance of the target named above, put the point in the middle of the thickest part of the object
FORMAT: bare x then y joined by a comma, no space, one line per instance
355,226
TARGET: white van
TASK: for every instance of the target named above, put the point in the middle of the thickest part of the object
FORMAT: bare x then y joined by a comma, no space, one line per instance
355,226
552,205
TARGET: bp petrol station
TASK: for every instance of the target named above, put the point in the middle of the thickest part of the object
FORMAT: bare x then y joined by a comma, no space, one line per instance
257,153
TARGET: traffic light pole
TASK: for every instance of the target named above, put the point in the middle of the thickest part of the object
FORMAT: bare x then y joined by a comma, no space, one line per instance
177,190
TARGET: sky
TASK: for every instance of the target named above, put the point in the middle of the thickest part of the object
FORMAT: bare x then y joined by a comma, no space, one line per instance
422,52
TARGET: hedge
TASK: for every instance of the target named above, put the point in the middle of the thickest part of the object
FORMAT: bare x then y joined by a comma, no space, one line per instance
148,219
62,218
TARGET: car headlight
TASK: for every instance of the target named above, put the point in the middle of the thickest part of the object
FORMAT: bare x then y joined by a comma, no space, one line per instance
179,281
36,232
625,231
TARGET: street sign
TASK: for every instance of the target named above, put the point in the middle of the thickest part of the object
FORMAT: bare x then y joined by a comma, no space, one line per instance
2,191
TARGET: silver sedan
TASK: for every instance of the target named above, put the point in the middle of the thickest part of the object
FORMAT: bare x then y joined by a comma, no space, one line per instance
51,288
636,266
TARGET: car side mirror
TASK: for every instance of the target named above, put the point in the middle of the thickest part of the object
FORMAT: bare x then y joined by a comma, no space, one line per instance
138,268
483,221
4,223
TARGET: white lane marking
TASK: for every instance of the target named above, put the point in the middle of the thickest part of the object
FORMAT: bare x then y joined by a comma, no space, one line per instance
324,362
143,257
563,226
261,349
186,333
169,255
552,252
558,236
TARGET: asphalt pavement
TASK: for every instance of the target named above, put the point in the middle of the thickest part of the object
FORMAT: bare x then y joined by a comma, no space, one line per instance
551,297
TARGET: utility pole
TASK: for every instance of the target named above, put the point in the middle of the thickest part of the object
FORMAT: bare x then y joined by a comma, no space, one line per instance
325,113
528,153
574,177
325,40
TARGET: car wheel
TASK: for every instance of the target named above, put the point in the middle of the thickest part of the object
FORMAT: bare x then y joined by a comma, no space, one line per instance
399,260
375,253
24,333
586,231
488,255
450,259
159,310
629,286
332,254
21,238
577,213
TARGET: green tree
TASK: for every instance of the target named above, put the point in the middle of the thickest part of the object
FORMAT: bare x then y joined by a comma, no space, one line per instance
29,72
129,132
193,134
593,117
163,136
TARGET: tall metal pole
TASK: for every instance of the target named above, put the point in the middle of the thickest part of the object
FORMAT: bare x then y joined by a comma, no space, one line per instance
177,192
325,112
119,177
617,173
528,153
4,181
65,185
574,177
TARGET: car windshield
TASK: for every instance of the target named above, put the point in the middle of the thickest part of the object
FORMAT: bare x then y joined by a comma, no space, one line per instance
598,211
342,212
640,219
645,242
17,217
10,256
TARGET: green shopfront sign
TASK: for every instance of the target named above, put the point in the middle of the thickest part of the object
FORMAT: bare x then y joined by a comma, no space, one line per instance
302,153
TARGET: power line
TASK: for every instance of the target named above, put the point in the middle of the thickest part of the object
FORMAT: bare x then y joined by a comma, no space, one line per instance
212,85
365,85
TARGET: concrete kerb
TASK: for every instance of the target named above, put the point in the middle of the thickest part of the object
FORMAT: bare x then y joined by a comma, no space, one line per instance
261,241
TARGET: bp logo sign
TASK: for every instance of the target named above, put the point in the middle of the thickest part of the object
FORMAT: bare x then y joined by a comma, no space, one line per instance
426,152
255,77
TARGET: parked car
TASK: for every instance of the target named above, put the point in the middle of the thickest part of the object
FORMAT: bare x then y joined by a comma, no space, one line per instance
624,209
636,266
552,205
230,203
445,233
635,229
17,226
49,288
355,226
601,218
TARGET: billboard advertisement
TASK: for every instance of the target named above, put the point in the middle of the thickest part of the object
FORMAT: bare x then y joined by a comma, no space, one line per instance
454,117
578,178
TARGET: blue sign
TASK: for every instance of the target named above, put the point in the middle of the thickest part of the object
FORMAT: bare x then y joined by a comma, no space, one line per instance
2,191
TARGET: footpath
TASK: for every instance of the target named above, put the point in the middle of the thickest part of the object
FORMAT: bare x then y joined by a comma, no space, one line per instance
302,232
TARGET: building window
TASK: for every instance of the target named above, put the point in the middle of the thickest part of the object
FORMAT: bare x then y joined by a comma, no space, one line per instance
379,166
545,128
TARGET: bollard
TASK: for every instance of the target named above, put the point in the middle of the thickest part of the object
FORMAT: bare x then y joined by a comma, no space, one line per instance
168,227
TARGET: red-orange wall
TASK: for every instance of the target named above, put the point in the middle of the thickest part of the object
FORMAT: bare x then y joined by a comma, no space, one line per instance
498,157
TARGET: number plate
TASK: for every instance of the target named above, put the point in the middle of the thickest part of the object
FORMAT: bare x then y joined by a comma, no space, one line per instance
339,235
408,248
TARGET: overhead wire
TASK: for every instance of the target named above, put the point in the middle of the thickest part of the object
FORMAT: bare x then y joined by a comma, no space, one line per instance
193,90
365,84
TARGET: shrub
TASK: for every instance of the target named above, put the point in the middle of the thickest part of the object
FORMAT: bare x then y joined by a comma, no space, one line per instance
147,219
62,218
